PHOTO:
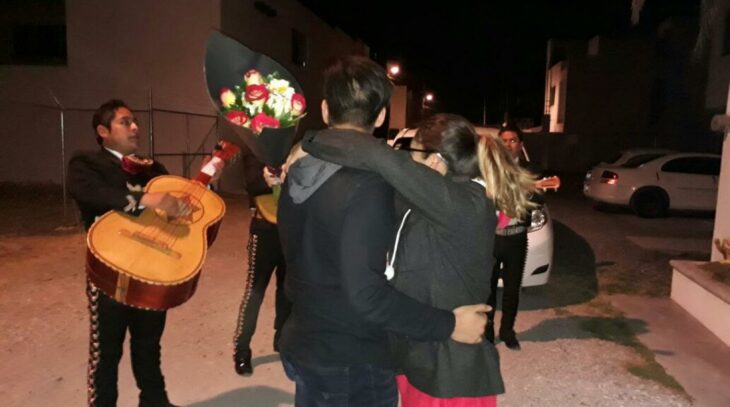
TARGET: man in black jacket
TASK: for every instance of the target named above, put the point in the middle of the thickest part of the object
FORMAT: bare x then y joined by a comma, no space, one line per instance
113,179
336,225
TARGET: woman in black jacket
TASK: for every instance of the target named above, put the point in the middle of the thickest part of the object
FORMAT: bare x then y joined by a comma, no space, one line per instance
443,253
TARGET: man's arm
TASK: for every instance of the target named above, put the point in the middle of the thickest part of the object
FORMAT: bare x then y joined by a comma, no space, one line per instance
425,189
366,233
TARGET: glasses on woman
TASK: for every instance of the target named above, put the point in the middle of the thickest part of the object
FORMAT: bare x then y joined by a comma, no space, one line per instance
404,144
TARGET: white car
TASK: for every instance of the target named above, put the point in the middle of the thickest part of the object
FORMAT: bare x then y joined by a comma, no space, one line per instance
633,154
655,182
539,260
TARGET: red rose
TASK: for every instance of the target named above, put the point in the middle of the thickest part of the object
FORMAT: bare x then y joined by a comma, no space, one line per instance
238,118
257,94
298,104
260,121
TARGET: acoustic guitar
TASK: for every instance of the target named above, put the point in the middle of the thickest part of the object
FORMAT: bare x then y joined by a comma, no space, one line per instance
267,205
149,261
548,183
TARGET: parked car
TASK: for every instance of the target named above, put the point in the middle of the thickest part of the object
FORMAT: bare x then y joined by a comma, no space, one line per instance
652,183
539,260
633,154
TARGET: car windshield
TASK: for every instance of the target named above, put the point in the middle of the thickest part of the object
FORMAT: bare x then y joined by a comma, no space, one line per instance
637,161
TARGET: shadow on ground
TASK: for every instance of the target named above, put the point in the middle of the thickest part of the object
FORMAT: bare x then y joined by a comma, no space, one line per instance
573,276
262,360
620,330
625,210
258,396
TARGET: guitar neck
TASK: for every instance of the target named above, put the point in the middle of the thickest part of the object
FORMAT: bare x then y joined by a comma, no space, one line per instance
208,171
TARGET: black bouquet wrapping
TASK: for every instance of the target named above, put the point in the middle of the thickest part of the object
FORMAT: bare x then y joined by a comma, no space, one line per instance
226,63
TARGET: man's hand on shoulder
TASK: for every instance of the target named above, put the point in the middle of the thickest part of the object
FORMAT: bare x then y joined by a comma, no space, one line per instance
470,323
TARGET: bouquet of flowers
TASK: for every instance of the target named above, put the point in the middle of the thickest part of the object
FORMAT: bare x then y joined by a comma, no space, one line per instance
262,102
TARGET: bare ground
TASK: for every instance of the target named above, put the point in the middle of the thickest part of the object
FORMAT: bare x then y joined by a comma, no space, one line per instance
577,349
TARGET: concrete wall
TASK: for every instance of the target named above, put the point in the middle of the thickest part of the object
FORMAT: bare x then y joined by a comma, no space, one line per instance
602,93
122,52
718,95
722,214
609,95
140,48
558,77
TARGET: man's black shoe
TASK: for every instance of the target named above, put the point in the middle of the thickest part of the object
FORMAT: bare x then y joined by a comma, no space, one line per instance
242,363
510,340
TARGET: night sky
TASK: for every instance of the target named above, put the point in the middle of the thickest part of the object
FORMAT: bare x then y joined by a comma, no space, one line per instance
466,51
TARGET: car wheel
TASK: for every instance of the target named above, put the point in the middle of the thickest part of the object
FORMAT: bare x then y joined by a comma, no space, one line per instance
650,203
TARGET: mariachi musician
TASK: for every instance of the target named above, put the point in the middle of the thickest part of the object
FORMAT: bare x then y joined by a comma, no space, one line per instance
112,178
265,258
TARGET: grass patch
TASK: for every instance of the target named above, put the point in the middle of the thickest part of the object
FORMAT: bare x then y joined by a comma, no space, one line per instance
637,279
619,330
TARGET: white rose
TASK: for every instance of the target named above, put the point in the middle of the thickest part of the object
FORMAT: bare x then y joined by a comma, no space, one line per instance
279,86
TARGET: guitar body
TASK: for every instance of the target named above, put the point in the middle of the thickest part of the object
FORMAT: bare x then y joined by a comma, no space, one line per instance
267,207
147,262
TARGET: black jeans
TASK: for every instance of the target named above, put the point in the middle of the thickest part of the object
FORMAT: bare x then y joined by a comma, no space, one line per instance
264,259
341,386
511,253
109,323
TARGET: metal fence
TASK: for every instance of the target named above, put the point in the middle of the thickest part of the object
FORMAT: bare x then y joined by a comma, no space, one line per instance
187,156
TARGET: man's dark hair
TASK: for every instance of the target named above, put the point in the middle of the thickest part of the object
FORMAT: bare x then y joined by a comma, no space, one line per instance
510,126
356,90
455,139
105,114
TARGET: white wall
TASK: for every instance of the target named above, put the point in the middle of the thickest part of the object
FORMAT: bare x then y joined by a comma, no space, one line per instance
558,77
722,213
718,95
124,50
119,51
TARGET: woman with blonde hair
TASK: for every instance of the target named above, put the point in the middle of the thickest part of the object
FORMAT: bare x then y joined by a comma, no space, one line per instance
510,243
442,253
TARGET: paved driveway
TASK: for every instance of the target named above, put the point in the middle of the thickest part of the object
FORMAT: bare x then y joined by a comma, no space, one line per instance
565,360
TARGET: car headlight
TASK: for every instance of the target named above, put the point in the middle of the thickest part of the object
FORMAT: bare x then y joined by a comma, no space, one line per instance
538,220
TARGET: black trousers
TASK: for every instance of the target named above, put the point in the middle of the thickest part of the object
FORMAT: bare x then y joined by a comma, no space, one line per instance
511,253
264,259
110,321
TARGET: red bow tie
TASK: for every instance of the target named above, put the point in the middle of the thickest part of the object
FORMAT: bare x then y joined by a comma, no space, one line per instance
132,164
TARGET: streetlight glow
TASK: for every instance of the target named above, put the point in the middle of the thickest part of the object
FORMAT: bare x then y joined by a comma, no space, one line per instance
429,97
393,69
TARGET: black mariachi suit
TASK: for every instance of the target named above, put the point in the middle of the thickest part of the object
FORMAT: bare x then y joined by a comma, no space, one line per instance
511,252
98,184
264,259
